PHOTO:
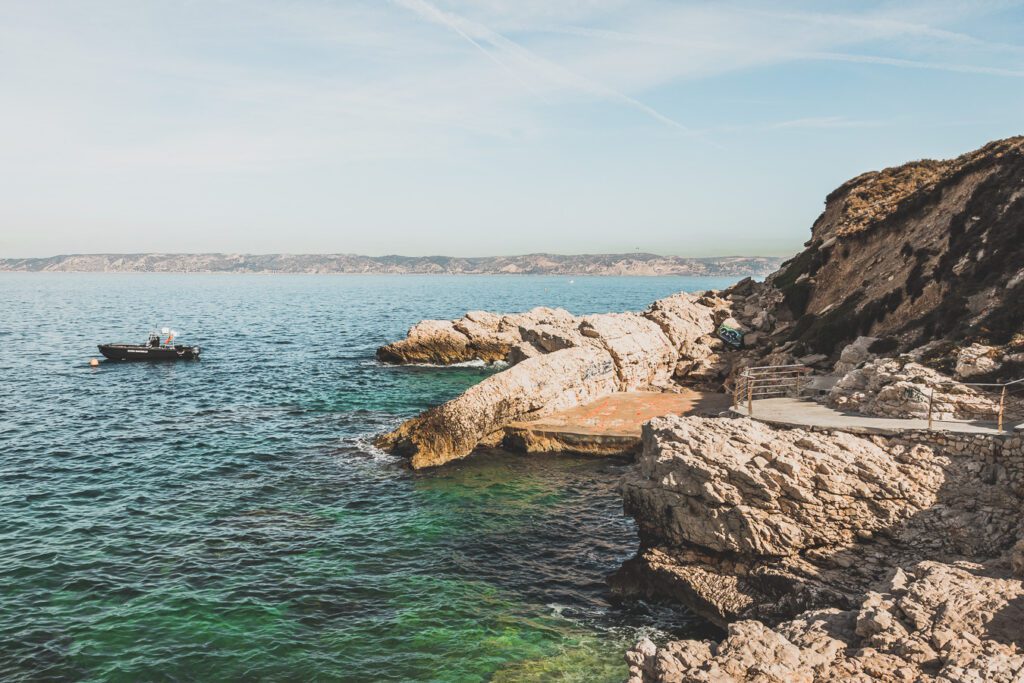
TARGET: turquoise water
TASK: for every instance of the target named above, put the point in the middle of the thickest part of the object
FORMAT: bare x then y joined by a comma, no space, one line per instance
229,520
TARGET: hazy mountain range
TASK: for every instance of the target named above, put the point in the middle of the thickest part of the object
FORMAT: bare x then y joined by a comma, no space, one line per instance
538,264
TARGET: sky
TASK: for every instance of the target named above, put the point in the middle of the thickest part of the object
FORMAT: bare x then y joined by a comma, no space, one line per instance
491,127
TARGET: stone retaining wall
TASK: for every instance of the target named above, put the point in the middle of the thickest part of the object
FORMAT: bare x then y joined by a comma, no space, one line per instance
998,458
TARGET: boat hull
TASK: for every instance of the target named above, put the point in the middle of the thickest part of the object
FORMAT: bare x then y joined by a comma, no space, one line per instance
136,353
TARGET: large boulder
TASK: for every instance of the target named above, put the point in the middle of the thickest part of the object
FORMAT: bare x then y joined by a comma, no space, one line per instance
683,317
854,354
1017,558
689,321
644,357
978,360
429,341
741,486
479,336
741,520
534,387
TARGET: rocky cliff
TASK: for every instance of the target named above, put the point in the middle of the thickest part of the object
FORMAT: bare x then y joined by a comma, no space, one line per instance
894,559
927,251
830,556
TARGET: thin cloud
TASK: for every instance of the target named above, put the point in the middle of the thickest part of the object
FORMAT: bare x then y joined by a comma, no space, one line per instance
823,122
914,64
782,37
551,71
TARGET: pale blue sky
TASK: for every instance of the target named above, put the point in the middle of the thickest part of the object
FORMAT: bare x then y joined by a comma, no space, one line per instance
477,128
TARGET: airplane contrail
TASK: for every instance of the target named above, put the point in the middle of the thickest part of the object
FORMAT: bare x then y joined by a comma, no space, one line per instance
552,71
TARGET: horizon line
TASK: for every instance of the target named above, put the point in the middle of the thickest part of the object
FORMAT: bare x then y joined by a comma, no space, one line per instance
391,255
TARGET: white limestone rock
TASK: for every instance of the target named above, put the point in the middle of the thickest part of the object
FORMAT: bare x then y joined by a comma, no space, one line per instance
644,356
854,354
429,341
740,486
976,360
902,388
948,623
532,388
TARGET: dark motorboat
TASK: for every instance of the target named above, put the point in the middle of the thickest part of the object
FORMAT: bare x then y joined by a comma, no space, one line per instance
154,350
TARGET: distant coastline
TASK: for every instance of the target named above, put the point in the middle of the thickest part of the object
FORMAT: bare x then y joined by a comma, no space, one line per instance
528,264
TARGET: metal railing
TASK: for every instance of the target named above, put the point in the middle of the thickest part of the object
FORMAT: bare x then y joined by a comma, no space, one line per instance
769,381
773,381
1002,395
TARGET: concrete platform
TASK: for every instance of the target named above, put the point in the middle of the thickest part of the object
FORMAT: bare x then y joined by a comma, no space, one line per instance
797,412
610,425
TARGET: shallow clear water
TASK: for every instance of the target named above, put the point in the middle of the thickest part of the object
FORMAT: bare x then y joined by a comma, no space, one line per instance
228,519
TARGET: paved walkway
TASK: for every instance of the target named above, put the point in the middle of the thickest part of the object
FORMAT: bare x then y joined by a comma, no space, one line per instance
610,424
794,412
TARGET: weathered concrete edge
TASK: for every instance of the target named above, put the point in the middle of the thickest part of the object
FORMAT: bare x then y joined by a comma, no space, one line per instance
526,440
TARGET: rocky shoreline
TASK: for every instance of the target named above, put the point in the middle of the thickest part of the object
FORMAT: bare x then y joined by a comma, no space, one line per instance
753,526
827,555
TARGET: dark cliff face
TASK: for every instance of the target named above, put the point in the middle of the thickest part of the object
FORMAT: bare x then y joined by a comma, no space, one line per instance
925,251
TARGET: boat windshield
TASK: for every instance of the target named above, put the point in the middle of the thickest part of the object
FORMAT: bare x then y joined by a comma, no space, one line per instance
165,337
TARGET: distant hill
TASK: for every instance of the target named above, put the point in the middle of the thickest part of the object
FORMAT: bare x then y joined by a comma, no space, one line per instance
529,264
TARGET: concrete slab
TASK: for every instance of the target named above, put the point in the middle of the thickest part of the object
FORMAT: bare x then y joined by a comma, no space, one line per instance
610,425
796,412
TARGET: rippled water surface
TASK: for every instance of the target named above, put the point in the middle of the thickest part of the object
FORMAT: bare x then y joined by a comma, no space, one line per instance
228,519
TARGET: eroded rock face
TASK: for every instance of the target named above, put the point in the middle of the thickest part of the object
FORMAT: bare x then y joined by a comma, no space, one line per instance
937,622
740,520
559,361
535,387
643,355
740,486
479,335
978,360
924,251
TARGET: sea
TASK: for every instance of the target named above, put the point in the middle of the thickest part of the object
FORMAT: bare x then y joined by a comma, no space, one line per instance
230,520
